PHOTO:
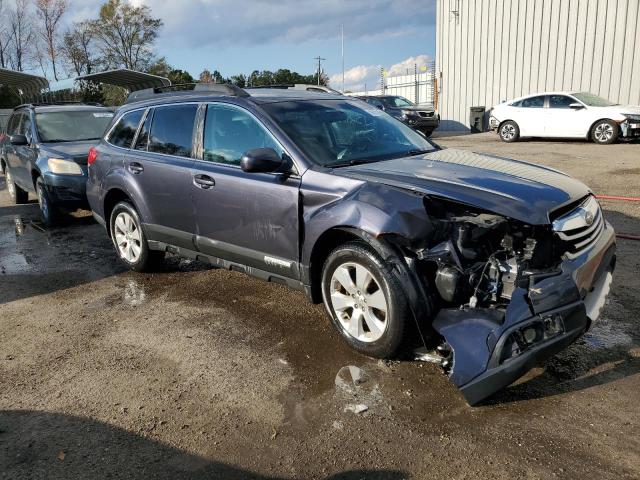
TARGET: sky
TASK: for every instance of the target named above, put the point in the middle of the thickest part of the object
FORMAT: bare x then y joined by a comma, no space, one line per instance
239,36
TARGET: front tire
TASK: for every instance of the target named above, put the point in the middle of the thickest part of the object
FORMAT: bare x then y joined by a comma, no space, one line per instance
48,211
129,239
16,194
605,132
364,300
509,131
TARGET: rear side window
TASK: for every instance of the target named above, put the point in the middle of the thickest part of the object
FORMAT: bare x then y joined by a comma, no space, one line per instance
172,130
142,143
124,131
229,132
532,102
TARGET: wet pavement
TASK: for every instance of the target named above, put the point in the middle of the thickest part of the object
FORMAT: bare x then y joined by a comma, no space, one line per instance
193,372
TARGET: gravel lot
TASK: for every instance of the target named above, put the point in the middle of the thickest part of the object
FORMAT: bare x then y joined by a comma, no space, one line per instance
199,373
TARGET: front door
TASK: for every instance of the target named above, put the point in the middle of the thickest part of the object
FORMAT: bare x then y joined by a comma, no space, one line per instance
563,121
159,165
248,218
21,157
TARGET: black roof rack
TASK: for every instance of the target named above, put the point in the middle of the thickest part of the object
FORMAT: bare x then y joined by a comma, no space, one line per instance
281,86
60,103
225,89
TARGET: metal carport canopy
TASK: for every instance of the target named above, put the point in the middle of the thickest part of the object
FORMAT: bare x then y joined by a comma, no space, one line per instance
24,82
129,79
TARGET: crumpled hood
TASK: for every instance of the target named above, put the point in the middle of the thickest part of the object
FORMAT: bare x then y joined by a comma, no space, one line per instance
68,149
511,188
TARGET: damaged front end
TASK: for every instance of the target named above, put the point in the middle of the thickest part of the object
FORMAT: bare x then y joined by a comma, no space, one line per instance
511,294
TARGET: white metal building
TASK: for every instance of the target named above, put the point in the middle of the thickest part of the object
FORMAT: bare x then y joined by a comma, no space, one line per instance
488,51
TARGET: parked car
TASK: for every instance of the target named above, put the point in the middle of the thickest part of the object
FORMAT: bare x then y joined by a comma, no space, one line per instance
565,115
400,239
45,152
420,117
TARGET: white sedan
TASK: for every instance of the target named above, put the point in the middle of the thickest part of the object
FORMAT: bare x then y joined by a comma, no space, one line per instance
565,115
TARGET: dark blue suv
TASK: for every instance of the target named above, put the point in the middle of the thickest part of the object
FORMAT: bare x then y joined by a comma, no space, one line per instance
44,151
488,264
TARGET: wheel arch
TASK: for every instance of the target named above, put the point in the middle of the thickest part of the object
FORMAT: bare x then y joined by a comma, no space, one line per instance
324,245
111,199
35,174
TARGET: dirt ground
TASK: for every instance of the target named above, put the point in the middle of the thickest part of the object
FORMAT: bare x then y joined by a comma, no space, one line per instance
199,373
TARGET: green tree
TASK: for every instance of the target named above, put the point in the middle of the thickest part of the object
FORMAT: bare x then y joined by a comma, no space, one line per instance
125,35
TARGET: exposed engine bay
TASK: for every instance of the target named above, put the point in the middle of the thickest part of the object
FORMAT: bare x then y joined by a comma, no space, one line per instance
482,266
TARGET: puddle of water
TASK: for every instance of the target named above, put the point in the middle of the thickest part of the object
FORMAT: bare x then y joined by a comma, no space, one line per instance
606,336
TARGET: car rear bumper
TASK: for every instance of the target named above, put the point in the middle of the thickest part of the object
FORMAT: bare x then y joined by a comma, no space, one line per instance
487,351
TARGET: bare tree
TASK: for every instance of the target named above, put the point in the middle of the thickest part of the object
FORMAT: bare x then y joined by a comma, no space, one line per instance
21,34
49,13
78,48
125,35
5,36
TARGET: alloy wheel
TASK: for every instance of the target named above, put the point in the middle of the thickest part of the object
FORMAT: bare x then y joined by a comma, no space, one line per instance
358,302
508,132
128,238
10,185
42,201
603,132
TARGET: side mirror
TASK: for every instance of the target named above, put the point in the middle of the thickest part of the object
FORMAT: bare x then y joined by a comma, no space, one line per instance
576,106
261,160
18,140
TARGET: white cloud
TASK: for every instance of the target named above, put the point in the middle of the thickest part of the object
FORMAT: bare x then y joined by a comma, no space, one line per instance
367,77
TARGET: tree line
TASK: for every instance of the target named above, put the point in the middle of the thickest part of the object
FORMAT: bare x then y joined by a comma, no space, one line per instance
33,35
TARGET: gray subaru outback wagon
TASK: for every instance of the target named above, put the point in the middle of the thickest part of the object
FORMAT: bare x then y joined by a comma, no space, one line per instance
489,264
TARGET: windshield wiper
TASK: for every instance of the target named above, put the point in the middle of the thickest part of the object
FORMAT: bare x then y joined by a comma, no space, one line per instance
412,153
350,163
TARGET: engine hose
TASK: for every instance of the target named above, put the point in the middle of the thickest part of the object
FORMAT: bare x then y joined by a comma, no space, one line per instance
615,197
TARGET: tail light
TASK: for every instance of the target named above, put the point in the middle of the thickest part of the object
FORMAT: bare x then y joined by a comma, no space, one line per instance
93,156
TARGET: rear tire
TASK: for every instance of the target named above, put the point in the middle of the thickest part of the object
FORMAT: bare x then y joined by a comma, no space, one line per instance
50,214
364,300
605,132
509,131
16,194
130,241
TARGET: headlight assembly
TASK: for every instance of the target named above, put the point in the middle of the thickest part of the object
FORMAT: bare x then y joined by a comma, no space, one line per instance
64,167
632,117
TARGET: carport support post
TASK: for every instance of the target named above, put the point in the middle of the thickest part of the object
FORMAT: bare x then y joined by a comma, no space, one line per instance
415,79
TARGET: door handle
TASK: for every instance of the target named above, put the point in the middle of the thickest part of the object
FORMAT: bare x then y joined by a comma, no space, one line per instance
204,181
135,168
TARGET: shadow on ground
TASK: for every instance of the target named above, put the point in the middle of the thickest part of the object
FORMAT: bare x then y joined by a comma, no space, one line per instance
56,446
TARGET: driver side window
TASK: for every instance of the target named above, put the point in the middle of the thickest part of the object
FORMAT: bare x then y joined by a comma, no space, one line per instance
230,131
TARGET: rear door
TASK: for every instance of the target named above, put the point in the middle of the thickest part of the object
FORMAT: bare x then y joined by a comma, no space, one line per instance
248,218
159,165
530,116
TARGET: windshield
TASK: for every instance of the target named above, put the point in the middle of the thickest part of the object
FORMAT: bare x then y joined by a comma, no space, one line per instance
72,126
592,100
396,102
336,133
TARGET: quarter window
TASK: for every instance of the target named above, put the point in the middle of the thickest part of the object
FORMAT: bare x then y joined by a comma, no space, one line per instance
172,130
143,137
229,132
560,101
124,131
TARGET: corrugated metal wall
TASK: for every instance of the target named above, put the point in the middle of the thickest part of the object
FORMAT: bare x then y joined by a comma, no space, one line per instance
488,51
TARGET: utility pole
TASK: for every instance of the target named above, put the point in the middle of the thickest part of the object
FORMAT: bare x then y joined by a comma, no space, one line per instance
319,59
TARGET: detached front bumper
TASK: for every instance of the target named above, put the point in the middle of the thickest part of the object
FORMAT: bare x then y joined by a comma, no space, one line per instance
490,347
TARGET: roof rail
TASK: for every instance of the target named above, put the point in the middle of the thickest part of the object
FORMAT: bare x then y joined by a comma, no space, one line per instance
225,89
281,86
50,104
